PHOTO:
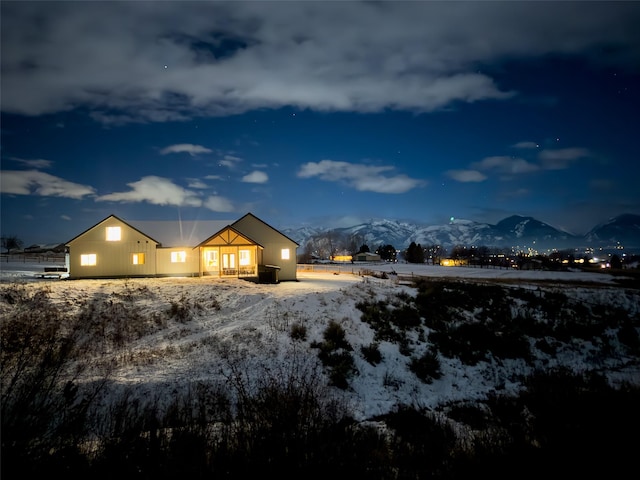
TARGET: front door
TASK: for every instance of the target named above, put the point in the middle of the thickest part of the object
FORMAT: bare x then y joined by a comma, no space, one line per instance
229,264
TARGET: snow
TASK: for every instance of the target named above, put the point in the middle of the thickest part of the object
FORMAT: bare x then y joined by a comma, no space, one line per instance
493,273
255,319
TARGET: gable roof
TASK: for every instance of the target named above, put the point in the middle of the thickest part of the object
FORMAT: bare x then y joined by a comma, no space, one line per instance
264,223
229,238
183,233
104,220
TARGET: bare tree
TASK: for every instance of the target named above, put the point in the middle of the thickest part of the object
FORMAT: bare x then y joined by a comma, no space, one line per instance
11,242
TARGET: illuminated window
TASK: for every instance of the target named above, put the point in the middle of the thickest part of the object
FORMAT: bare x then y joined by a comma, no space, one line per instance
211,258
178,257
114,234
88,259
284,255
245,257
138,259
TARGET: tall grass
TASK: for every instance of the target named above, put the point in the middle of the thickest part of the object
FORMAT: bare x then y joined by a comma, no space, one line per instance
285,419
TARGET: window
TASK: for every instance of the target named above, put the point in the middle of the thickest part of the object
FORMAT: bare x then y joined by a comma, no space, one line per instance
284,255
138,259
88,259
178,257
211,258
114,234
245,257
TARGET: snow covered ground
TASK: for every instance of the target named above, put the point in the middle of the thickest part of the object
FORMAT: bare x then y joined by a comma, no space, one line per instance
255,320
476,272
12,271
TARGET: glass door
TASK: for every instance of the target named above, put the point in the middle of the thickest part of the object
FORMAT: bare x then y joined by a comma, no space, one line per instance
229,264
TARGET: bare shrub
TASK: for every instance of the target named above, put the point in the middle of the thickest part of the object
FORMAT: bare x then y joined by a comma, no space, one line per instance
391,381
181,310
371,353
335,354
427,366
42,406
298,331
278,320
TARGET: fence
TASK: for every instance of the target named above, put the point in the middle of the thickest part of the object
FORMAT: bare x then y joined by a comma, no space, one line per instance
328,268
33,258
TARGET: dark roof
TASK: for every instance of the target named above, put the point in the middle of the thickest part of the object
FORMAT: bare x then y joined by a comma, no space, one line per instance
181,233
174,233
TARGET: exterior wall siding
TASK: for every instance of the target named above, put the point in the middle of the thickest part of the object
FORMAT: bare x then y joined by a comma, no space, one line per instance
273,243
190,267
113,258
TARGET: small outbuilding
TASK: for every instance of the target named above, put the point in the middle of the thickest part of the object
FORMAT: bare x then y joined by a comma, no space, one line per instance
367,257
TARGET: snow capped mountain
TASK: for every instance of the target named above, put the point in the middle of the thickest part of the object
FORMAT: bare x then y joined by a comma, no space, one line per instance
512,231
457,232
379,232
517,229
623,228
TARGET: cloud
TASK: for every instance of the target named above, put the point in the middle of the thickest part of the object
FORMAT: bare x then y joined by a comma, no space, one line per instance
33,182
562,158
367,178
33,163
256,177
160,61
218,204
466,175
155,190
189,148
229,161
197,183
65,217
163,191
505,164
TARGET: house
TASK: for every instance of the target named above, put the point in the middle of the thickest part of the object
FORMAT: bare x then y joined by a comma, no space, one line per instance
367,257
454,262
341,258
247,247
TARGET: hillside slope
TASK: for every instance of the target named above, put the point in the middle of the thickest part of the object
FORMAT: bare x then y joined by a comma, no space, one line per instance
179,327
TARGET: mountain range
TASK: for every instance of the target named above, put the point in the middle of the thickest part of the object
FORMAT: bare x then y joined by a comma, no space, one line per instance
513,231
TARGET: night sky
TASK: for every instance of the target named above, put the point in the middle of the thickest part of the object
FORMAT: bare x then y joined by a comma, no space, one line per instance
317,113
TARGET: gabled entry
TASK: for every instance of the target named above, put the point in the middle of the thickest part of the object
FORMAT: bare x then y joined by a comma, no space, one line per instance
229,253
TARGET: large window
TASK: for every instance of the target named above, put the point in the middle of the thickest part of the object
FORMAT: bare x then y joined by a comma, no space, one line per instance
138,259
211,258
178,257
88,259
284,255
114,234
245,257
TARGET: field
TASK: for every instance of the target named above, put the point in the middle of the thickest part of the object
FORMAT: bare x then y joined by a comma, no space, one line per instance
456,350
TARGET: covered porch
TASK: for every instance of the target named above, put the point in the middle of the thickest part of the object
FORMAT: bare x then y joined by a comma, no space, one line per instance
228,253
